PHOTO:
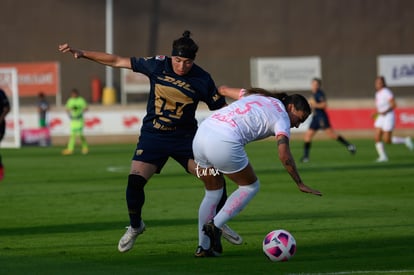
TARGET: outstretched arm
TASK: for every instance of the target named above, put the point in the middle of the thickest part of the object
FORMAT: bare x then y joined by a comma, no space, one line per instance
234,93
100,57
288,162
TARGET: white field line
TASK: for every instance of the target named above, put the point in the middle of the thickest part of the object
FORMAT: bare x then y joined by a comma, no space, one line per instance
117,169
359,272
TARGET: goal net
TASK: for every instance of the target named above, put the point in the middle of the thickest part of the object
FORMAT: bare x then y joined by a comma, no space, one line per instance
8,82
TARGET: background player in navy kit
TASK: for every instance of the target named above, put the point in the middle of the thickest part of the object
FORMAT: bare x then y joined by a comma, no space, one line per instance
4,110
320,121
177,86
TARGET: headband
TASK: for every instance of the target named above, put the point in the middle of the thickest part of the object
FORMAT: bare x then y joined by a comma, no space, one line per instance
187,53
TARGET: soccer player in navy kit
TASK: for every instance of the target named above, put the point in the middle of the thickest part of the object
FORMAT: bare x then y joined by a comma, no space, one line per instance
177,86
4,110
320,121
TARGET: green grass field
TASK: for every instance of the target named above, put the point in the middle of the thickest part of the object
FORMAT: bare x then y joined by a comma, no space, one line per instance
65,215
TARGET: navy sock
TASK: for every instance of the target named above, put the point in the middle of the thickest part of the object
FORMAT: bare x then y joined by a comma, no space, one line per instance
135,197
342,140
306,150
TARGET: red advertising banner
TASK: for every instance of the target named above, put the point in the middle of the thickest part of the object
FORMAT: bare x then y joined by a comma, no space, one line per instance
36,136
359,119
35,77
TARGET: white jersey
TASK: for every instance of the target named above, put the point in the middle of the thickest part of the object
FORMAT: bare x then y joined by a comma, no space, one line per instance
382,99
251,118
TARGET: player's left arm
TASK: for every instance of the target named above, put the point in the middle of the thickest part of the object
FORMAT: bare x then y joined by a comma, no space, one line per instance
6,106
393,105
6,110
86,106
234,93
288,162
212,96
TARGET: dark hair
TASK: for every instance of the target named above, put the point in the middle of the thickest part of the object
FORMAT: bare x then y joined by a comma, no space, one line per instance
184,46
299,101
318,80
382,78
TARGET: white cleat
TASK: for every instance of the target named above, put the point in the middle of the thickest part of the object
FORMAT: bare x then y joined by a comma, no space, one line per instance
409,143
230,235
382,159
128,239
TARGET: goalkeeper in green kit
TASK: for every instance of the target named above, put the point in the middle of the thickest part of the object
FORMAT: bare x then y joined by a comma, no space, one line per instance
76,106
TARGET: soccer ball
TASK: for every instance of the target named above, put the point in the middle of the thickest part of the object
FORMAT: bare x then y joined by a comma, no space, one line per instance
279,245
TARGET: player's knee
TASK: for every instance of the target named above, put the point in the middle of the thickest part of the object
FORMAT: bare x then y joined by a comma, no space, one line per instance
136,182
135,195
253,188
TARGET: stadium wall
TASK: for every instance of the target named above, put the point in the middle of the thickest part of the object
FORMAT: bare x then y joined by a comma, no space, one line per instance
120,124
347,35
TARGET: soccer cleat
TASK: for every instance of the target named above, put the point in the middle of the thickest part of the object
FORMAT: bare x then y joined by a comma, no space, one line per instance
214,233
127,241
304,159
409,143
351,148
230,235
1,172
382,159
85,151
67,152
201,253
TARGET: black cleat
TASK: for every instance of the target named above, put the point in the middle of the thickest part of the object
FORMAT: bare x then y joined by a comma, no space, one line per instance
204,253
351,148
214,233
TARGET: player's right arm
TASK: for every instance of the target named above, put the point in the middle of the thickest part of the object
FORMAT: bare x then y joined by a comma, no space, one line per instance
99,57
288,162
319,103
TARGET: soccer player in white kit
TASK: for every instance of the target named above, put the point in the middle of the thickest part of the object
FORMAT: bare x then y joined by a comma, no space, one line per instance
385,120
218,148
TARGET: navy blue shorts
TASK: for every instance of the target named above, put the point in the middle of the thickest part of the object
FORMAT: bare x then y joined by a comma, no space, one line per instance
156,148
320,121
2,129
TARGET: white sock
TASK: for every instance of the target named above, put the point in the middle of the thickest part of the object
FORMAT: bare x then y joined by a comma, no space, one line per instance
236,202
397,140
380,150
206,212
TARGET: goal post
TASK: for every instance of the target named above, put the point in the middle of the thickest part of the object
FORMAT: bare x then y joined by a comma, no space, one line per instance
9,83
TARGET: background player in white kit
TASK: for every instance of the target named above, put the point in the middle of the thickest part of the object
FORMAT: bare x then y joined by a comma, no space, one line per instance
385,120
219,149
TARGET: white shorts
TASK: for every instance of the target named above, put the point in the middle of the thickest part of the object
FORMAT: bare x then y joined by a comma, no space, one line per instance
213,149
385,122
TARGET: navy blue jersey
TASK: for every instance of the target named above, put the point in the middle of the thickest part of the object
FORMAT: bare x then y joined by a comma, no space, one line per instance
4,103
320,119
319,97
173,99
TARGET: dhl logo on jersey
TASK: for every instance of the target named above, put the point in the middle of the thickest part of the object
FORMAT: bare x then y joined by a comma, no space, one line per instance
176,82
